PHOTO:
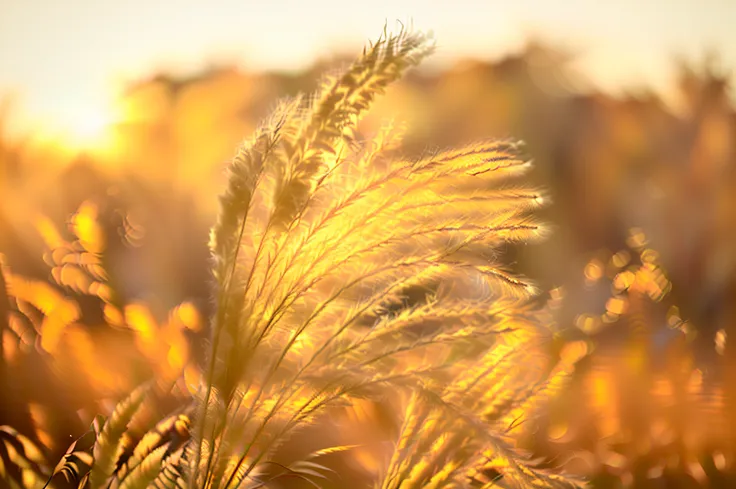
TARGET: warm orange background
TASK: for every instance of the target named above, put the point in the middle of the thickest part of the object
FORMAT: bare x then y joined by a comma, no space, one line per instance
108,196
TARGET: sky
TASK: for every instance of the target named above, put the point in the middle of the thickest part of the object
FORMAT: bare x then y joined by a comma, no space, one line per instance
62,59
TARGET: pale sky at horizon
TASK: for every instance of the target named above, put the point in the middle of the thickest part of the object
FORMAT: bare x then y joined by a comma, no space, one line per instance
63,57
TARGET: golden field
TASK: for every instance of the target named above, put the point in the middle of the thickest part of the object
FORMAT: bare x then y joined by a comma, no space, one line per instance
626,379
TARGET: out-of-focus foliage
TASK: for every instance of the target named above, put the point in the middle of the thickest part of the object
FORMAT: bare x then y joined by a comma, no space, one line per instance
123,290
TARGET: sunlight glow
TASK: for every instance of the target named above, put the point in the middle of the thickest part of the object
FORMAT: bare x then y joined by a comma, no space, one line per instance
90,128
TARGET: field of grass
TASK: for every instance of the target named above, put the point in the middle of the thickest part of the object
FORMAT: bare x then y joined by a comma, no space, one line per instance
485,277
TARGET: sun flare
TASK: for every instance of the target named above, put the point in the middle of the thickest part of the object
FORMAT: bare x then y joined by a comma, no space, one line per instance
90,128
83,129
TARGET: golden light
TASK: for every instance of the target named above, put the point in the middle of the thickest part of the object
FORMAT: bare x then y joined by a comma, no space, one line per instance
720,341
90,128
90,125
593,271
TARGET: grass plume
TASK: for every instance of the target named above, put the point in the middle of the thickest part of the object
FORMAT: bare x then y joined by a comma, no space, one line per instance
320,237
343,271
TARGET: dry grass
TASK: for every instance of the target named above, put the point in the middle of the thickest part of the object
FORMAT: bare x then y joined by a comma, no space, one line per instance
343,273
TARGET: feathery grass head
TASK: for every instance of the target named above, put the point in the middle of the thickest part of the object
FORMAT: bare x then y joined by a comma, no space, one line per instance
320,239
343,271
